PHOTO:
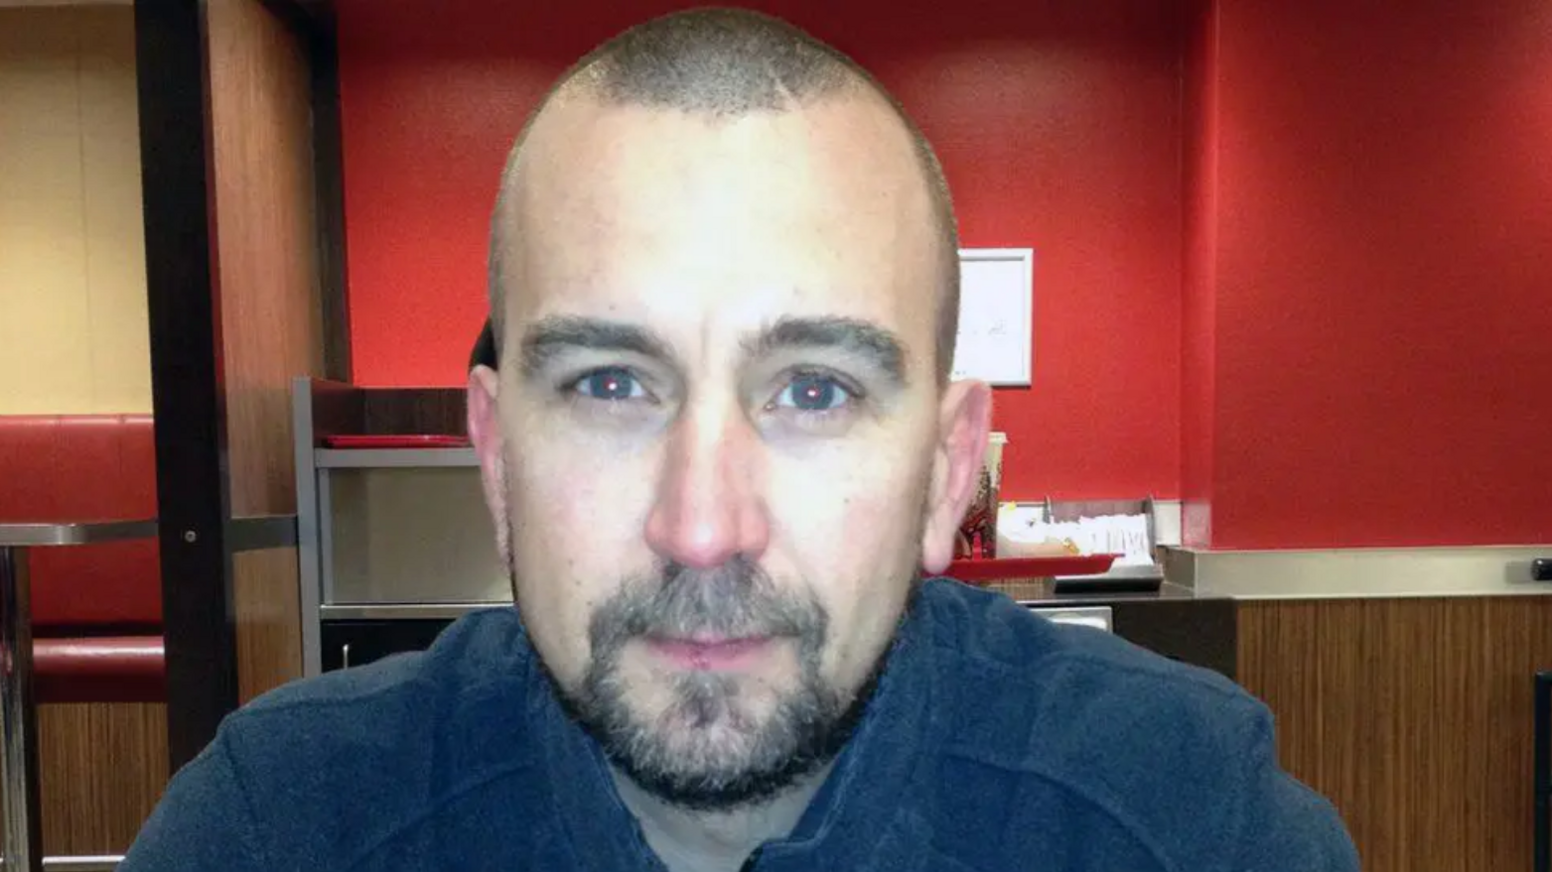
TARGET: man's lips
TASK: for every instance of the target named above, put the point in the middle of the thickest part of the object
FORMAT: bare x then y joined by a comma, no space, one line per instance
710,654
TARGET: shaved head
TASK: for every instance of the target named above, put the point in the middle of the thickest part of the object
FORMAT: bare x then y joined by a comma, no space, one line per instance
722,65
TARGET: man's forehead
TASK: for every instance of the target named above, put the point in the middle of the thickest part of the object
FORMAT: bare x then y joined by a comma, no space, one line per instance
690,223
579,146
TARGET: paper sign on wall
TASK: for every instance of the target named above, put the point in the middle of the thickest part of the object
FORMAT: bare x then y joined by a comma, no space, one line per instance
996,305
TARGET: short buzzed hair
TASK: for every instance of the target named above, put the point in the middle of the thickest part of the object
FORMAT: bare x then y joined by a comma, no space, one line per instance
725,64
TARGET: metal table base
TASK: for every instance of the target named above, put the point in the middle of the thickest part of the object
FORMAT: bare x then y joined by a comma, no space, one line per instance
23,844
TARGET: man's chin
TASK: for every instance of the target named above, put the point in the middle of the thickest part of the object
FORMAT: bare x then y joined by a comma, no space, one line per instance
709,721
715,765
716,748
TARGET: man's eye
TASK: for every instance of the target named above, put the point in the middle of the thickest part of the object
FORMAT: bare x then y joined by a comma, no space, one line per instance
813,393
613,383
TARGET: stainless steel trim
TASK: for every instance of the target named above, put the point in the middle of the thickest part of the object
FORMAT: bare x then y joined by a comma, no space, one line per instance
404,611
325,481
105,863
1348,573
364,458
1098,617
261,532
74,533
102,863
307,554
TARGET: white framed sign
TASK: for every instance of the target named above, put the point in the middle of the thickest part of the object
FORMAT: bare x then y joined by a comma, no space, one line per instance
996,316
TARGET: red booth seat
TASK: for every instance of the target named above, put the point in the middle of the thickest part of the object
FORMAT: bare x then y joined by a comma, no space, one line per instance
97,609
99,669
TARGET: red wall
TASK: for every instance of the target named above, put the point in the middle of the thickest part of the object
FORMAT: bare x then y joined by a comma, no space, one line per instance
1383,275
1198,322
1058,124
1293,260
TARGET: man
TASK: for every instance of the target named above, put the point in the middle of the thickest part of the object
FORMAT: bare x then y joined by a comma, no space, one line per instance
721,447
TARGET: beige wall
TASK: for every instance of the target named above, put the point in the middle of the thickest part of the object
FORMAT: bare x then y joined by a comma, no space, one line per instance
73,329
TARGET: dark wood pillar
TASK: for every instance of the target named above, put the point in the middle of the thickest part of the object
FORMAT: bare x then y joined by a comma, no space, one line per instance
245,266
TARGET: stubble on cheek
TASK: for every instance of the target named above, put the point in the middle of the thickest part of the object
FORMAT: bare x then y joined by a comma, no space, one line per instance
555,542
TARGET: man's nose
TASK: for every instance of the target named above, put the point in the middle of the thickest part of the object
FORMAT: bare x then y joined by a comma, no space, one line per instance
708,506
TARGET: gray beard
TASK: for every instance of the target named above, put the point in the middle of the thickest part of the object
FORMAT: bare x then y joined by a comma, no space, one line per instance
676,757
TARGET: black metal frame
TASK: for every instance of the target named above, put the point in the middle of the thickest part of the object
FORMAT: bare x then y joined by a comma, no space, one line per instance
186,374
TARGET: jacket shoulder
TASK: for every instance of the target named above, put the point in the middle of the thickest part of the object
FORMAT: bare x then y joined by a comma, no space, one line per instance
1064,720
341,761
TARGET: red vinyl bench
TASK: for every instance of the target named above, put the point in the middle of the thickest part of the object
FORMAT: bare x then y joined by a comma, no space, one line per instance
97,609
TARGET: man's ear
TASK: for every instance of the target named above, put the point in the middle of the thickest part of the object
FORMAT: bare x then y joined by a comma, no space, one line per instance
964,419
485,433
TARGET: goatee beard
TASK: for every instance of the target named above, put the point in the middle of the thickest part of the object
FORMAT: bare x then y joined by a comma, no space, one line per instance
706,751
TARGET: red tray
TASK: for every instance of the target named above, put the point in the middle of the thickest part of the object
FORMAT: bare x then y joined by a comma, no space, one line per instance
396,441
997,569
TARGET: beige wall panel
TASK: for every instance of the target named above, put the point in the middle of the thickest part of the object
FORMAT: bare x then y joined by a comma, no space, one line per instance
74,336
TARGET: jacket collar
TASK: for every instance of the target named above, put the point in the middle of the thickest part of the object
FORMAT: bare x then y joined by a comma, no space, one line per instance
865,816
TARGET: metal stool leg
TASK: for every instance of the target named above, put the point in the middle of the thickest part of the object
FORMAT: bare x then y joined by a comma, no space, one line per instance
23,848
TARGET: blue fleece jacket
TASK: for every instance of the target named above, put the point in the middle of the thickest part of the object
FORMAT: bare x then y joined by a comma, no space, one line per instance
997,741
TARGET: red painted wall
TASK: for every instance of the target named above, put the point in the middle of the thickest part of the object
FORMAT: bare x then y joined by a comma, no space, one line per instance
1293,260
1058,124
1198,322
1383,287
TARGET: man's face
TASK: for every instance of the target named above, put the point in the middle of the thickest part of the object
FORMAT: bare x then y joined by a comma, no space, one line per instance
718,445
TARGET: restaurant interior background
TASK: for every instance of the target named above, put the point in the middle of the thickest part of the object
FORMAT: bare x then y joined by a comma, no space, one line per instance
1293,269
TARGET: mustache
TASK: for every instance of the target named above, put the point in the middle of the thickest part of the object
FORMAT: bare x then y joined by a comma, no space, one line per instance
736,599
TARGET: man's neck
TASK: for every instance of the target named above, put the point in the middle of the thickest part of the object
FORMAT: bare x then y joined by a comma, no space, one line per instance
699,841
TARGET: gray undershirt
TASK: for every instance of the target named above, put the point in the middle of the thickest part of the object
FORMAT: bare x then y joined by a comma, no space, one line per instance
696,841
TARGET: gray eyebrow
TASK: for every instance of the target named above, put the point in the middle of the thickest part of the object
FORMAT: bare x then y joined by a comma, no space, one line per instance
874,344
552,337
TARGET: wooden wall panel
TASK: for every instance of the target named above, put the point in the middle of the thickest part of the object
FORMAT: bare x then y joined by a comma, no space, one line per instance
104,766
270,287
269,642
1413,716
267,234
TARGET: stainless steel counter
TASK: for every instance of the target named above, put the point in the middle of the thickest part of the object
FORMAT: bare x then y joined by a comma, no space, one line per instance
1346,573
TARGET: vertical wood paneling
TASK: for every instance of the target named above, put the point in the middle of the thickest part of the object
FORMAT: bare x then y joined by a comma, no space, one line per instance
269,642
267,233
270,287
1413,716
104,766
